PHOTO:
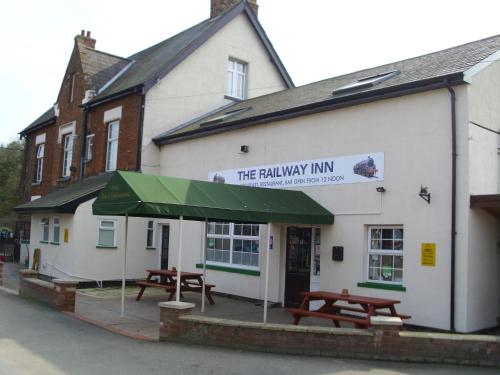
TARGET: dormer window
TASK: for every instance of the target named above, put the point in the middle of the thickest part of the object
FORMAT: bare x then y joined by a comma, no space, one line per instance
236,79
366,82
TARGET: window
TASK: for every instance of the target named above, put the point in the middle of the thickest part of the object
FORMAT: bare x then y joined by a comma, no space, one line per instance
235,244
112,145
56,230
90,147
67,154
366,82
150,237
385,254
71,88
107,233
236,80
40,151
45,229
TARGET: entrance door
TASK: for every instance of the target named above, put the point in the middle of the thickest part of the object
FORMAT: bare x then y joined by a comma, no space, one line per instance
165,236
298,264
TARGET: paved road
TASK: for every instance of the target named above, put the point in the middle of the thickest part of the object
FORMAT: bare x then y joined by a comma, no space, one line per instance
36,340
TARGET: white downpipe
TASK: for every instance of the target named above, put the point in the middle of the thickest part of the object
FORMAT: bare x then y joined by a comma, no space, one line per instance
124,271
178,287
266,287
204,252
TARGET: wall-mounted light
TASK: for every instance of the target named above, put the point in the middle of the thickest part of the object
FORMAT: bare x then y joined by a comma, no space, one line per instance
424,194
381,189
244,149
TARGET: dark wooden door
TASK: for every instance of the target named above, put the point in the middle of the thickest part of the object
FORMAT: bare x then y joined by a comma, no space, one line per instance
298,264
165,236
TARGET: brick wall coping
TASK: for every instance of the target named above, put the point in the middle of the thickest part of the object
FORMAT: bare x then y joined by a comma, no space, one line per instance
28,272
65,282
46,284
386,321
276,327
176,305
449,336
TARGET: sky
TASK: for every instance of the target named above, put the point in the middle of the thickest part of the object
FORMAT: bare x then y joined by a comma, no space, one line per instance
316,39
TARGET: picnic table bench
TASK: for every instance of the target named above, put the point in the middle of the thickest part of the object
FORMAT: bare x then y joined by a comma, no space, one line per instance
167,280
336,312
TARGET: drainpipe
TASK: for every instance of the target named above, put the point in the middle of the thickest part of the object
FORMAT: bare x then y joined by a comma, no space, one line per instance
84,142
453,204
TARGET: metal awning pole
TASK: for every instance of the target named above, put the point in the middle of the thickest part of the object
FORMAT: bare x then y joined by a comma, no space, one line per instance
204,252
179,259
266,287
124,271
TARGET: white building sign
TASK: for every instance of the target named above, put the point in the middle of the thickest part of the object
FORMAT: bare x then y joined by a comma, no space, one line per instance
330,171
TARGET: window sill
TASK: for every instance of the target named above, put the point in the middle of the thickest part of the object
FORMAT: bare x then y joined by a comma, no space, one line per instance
398,288
45,242
106,247
55,243
229,269
150,248
63,179
233,98
36,183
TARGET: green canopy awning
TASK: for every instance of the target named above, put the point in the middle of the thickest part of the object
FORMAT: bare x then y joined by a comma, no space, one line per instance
144,195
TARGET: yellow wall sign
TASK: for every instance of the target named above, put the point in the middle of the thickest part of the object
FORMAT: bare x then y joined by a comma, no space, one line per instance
66,235
429,254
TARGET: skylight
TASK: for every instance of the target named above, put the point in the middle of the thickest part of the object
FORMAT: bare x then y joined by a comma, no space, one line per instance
366,82
225,116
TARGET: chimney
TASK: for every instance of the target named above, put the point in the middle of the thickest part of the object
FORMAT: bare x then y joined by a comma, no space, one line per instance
85,39
217,7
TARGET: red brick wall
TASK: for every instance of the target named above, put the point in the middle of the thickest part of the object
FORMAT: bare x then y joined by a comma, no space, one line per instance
331,342
127,138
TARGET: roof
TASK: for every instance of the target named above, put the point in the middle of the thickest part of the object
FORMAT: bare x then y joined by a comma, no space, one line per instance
153,63
424,72
100,67
67,199
48,117
146,195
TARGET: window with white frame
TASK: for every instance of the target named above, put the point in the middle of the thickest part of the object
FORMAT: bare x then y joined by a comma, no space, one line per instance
90,147
107,233
45,229
56,230
67,140
385,254
150,236
234,244
236,79
40,153
112,145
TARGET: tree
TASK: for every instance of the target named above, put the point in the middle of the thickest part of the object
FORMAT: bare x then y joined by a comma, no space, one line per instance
11,161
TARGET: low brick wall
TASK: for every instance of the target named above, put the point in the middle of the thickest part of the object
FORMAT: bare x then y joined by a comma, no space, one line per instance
59,293
384,342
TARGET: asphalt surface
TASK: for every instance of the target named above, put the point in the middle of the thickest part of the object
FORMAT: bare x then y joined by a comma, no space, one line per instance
37,340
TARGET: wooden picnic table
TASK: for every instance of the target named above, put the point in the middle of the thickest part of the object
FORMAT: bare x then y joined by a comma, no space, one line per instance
190,282
339,307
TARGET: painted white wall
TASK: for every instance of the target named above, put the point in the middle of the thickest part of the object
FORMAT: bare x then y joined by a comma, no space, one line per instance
414,133
198,84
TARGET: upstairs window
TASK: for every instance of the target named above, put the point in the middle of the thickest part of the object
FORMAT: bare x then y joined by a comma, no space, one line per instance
236,79
90,147
67,140
40,152
112,145
71,95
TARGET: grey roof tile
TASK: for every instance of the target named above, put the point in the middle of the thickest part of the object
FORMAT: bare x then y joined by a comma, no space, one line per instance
45,118
420,69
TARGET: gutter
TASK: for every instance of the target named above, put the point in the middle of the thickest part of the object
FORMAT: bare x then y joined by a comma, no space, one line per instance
39,126
327,105
453,204
118,95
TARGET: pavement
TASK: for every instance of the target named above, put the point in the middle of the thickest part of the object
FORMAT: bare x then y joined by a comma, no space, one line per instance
11,276
35,339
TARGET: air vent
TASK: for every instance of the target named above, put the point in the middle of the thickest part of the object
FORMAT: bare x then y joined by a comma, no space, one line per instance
366,82
225,116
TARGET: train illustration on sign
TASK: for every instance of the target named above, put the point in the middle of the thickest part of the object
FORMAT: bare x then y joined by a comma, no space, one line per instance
366,168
